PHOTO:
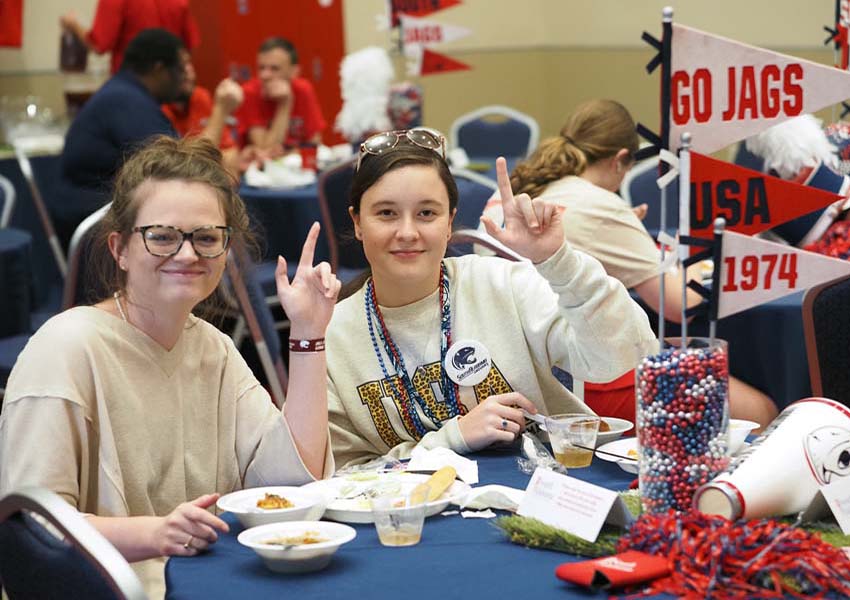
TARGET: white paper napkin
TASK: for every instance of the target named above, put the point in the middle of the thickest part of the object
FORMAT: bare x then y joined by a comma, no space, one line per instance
422,459
500,497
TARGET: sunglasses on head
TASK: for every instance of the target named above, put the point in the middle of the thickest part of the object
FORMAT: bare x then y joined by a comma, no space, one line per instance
381,142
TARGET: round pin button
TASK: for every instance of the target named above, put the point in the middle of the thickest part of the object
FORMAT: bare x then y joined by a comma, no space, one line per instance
467,362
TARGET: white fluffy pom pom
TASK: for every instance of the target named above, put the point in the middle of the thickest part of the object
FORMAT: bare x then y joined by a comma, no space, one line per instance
365,78
792,145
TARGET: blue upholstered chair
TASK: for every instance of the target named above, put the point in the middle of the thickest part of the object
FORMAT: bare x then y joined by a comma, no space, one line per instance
257,315
48,550
495,131
826,326
347,259
639,186
474,190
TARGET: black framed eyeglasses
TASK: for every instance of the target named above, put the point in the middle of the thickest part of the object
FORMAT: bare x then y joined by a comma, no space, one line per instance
381,142
208,241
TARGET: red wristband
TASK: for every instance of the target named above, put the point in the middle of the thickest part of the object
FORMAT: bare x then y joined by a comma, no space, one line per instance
317,345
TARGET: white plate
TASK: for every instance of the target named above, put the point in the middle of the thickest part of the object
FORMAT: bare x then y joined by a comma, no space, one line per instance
354,506
308,505
620,447
301,558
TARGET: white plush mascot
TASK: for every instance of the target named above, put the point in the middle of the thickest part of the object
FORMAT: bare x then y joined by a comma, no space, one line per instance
365,78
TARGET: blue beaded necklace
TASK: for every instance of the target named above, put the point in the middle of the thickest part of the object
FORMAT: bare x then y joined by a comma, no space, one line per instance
407,393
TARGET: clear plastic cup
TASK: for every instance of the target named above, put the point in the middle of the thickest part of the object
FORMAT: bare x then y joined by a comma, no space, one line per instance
399,518
573,438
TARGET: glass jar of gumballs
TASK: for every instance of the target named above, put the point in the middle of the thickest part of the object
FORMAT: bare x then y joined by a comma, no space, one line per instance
682,421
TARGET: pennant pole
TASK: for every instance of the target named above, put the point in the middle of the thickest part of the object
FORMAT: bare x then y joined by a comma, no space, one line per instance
684,223
719,226
666,41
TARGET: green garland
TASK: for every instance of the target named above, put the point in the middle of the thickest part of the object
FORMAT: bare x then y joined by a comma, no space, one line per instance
536,534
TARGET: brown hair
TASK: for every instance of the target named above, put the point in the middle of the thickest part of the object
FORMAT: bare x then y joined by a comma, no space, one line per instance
597,129
375,166
162,158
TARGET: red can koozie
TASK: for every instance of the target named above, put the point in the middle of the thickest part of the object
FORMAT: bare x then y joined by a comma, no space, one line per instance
308,156
614,571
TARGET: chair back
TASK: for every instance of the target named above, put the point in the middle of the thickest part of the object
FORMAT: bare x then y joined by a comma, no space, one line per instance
810,227
346,253
495,131
7,197
639,186
260,320
36,563
81,286
474,190
826,327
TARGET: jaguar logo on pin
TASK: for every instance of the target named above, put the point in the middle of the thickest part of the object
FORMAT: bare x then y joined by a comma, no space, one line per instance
467,362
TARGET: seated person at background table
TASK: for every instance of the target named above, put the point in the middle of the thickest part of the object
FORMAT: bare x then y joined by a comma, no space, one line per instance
395,344
139,413
196,112
280,109
122,114
582,169
117,22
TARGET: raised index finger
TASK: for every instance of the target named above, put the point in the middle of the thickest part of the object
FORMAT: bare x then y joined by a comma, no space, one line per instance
309,248
504,181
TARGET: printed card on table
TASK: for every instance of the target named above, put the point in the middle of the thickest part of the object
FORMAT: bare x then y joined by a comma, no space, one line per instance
573,505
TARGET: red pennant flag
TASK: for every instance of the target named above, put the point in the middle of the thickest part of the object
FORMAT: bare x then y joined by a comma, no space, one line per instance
749,200
11,23
417,8
433,62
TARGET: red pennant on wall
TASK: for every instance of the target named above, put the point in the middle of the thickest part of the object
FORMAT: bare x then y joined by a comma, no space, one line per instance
11,23
432,62
749,200
417,8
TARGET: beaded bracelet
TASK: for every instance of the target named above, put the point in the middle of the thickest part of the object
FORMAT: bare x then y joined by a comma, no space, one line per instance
317,345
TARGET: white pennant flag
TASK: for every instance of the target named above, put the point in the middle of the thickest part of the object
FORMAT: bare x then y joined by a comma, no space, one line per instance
722,91
754,271
416,34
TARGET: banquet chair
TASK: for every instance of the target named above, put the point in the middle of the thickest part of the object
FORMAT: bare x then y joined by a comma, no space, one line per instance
347,259
7,197
49,550
474,190
826,327
495,131
639,186
257,315
80,285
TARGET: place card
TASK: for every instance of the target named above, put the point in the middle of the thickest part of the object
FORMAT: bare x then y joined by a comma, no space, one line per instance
835,498
573,505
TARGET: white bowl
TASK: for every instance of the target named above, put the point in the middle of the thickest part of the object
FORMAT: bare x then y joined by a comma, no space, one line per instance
619,453
617,427
309,506
299,558
739,429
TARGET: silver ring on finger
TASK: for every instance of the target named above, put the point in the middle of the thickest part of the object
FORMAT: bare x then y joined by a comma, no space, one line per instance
505,424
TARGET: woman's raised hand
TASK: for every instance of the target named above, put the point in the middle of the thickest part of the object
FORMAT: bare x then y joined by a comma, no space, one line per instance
189,528
532,227
498,419
310,297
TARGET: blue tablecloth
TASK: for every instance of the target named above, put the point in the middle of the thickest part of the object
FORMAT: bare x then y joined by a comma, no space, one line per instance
15,282
457,558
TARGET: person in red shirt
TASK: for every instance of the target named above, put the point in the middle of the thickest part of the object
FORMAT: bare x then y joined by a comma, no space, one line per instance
280,108
116,22
197,112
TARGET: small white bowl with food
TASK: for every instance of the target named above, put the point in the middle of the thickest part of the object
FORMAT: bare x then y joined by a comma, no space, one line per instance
297,546
274,504
610,428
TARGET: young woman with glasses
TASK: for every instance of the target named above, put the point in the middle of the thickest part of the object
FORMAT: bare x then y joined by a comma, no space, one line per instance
581,169
436,351
140,413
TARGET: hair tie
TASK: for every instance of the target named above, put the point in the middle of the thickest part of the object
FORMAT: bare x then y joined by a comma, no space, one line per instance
569,139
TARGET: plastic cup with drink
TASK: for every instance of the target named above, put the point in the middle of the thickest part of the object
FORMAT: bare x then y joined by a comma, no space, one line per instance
573,438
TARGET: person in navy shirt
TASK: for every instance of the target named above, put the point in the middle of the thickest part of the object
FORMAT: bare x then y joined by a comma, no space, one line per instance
123,113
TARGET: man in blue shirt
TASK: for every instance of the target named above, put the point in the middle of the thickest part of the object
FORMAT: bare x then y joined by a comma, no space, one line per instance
120,116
